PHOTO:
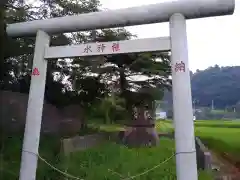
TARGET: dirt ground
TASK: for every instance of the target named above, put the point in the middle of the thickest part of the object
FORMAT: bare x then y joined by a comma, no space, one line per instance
224,168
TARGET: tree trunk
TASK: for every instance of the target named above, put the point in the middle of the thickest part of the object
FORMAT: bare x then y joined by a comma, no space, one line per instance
140,130
2,41
126,94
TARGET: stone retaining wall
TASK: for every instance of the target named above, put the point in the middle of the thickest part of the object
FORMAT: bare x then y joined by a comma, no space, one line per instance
78,143
65,121
204,160
203,156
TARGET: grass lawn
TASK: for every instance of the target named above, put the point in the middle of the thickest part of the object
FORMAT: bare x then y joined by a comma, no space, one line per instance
109,161
221,136
112,161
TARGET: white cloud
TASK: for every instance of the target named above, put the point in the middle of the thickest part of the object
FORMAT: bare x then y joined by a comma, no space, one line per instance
211,40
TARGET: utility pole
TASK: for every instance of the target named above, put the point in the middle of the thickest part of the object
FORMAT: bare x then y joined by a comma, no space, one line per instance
212,105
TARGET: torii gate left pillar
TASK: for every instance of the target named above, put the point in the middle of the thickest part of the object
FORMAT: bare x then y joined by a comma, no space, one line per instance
34,110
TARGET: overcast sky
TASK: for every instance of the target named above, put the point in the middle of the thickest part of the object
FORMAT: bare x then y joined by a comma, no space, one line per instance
211,40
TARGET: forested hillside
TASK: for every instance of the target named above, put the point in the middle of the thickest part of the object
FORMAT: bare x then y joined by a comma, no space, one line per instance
217,85
220,85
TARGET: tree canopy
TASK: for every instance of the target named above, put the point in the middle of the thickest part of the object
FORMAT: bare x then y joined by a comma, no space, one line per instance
84,80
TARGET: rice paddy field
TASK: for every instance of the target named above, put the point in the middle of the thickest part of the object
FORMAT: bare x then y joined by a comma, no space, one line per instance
221,136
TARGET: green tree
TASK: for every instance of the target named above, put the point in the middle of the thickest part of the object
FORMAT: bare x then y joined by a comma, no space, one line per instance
2,40
87,77
139,77
17,63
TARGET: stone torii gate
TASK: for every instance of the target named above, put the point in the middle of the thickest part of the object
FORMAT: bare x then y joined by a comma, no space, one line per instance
175,12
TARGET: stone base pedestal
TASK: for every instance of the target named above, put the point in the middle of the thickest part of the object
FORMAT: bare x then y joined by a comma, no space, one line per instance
140,136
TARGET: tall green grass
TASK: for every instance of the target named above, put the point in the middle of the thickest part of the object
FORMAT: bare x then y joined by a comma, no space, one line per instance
109,161
11,147
114,162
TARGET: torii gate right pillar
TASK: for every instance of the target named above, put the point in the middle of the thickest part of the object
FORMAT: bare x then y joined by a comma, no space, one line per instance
182,101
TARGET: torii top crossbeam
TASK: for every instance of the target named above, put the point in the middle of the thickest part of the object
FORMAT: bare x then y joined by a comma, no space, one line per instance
148,14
